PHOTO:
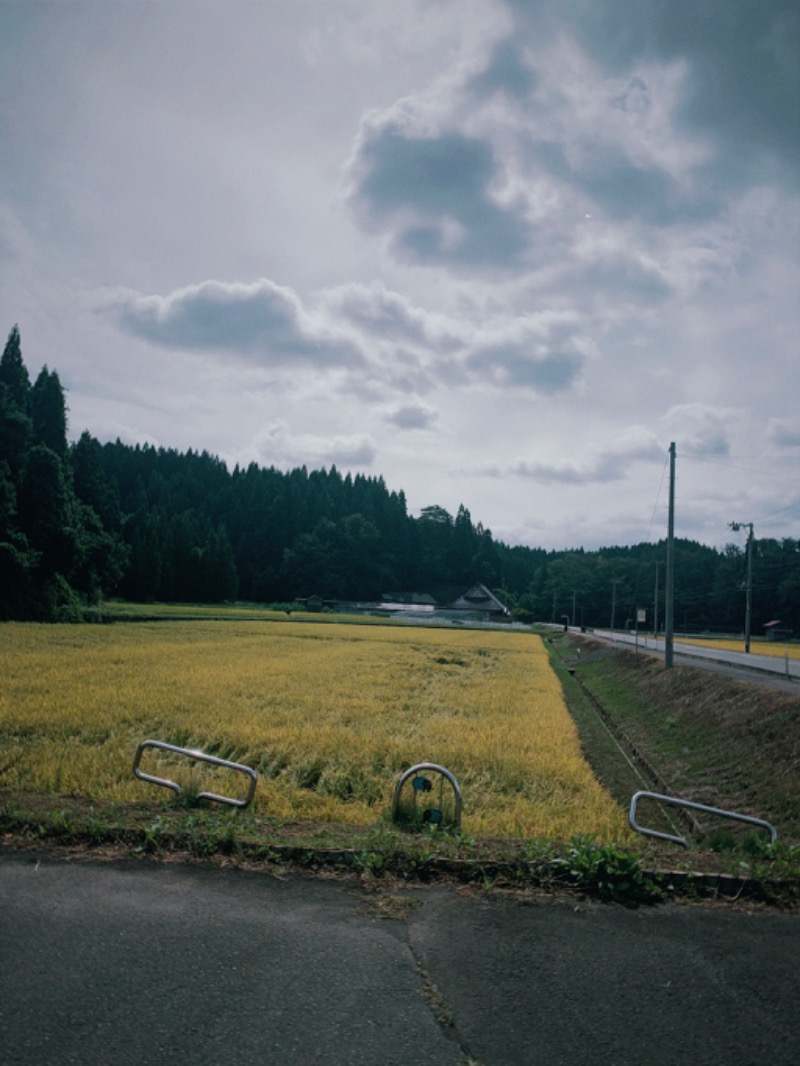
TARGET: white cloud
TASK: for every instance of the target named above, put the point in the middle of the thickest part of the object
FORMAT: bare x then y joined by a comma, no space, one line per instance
703,430
277,445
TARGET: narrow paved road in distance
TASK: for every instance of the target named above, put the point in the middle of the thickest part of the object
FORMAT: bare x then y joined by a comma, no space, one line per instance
776,672
144,963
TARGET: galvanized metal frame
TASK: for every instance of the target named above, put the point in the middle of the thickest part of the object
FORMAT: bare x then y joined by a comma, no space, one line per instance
200,756
674,801
444,772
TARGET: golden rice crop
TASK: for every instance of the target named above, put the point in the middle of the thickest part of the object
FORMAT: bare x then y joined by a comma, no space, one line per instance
329,714
775,650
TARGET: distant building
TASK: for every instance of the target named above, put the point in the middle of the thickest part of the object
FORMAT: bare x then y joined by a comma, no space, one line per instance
408,601
777,631
479,605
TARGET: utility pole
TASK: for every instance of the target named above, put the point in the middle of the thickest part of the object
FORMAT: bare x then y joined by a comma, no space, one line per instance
573,608
613,602
736,526
670,578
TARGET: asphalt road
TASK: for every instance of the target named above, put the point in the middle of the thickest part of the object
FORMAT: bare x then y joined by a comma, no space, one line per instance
777,673
139,962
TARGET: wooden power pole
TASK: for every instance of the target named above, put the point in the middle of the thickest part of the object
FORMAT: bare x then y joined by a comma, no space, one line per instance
669,601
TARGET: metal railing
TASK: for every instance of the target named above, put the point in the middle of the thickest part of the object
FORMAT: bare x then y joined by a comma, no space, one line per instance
200,756
422,785
674,801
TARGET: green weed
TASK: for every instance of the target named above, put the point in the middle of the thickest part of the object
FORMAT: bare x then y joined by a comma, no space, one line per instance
607,871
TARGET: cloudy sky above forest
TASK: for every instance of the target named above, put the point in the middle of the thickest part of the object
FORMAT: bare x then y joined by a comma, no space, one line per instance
499,252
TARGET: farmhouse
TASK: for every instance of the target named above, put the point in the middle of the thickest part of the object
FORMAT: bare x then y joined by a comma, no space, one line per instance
477,605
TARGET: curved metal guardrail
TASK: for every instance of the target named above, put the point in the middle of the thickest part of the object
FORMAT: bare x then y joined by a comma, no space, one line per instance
422,785
200,756
674,801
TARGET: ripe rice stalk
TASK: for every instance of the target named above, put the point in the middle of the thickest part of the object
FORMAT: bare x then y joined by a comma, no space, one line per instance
774,649
329,715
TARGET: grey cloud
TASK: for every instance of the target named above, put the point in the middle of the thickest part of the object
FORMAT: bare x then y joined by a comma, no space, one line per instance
261,320
604,469
390,316
537,352
783,433
623,189
699,429
509,366
625,277
506,72
412,416
405,372
613,464
275,444
433,192
352,451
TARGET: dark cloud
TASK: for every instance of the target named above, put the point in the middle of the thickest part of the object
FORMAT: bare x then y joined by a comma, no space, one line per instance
434,193
262,321
741,57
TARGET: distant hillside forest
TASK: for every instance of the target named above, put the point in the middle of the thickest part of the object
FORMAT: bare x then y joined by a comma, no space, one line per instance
85,521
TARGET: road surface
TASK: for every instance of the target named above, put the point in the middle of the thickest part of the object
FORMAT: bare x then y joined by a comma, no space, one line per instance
144,963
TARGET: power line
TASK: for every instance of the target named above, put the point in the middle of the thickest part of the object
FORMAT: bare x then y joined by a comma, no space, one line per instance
734,462
658,496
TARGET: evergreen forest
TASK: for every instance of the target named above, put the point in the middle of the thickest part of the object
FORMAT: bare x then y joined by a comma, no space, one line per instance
84,521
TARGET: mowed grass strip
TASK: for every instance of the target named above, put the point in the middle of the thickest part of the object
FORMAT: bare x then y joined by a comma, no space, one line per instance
329,715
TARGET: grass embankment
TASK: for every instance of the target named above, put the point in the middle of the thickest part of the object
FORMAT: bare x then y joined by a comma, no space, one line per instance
728,744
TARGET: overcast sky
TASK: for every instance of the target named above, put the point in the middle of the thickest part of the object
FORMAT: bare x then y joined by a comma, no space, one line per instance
499,252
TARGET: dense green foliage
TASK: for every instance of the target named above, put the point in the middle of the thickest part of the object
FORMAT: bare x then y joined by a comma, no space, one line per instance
87,520
56,552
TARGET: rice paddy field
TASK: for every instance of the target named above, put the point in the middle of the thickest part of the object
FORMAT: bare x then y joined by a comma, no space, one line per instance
776,649
330,715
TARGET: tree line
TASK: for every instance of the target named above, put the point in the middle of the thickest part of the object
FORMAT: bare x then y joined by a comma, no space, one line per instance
83,521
